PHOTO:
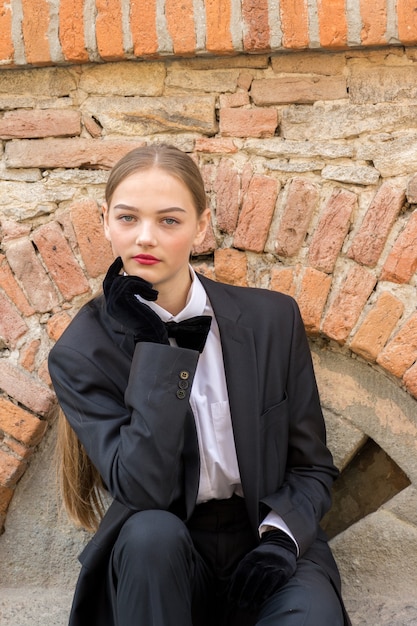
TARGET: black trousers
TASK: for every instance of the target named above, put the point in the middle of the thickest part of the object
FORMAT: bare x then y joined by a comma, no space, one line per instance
166,573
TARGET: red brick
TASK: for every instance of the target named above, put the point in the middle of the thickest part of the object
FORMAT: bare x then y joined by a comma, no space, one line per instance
207,245
248,122
28,354
294,23
11,288
371,237
181,27
314,289
377,327
402,260
11,469
401,352
143,27
20,424
231,266
67,153
233,100
256,215
23,387
12,327
71,30
205,270
109,30
57,324
21,451
35,27
6,41
298,89
60,261
407,21
284,280
348,304
215,145
374,22
410,380
94,248
43,373
256,25
31,274
331,230
13,230
332,23
218,36
227,190
300,204
6,495
39,123
91,126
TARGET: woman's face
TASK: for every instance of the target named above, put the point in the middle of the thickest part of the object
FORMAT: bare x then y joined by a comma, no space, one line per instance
153,225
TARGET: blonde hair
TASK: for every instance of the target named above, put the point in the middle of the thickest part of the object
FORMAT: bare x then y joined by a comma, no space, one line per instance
80,483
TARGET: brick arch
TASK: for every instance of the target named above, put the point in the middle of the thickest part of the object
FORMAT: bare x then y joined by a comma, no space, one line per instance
350,270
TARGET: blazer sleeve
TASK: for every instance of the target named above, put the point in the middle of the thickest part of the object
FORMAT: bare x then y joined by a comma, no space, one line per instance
305,493
134,436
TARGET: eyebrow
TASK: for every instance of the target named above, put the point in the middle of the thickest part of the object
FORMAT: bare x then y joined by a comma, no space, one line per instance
127,207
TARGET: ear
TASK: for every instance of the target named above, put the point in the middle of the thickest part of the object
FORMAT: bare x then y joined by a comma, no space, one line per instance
202,225
105,210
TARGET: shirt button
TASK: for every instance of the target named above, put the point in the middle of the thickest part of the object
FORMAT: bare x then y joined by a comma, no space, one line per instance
181,394
184,374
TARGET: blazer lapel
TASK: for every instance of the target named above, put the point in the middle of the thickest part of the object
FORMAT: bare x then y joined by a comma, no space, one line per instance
240,364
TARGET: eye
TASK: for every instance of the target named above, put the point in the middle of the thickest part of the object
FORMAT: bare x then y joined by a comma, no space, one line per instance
170,221
126,218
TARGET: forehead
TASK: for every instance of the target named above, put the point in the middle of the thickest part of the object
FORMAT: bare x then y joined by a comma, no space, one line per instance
155,186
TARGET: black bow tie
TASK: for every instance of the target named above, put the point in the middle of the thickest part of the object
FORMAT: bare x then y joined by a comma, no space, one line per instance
191,333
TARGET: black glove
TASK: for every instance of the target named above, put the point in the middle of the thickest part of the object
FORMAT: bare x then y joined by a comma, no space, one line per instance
123,305
263,570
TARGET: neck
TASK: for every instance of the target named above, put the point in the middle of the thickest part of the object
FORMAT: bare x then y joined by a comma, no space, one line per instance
173,298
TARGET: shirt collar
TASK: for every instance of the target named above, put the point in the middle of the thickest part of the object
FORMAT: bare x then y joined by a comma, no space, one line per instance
195,303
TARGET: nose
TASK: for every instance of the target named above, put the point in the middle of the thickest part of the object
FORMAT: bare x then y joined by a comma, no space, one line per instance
145,236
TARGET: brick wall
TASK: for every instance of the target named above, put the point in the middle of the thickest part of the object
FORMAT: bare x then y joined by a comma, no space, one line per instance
45,32
309,160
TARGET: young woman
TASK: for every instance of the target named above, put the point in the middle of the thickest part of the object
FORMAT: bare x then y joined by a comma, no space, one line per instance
208,435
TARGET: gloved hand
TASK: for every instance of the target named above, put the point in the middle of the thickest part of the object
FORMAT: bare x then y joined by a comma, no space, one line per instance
121,303
263,570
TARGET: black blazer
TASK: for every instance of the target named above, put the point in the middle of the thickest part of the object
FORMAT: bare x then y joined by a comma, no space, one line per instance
122,402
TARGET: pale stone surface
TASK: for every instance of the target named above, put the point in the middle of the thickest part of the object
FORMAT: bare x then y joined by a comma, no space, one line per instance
392,154
289,89
124,79
326,120
141,116
355,174
278,147
370,83
180,79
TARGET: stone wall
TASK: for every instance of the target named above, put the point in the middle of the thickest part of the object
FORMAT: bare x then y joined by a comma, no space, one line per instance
309,153
309,161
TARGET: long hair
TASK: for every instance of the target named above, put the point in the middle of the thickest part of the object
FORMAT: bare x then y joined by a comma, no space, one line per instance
80,483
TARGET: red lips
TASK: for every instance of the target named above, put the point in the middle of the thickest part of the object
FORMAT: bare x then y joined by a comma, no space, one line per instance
146,259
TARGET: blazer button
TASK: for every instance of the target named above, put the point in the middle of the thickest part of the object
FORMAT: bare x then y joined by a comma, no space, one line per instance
181,394
184,374
183,384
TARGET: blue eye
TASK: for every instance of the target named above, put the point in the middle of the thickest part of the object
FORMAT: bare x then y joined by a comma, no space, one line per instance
170,221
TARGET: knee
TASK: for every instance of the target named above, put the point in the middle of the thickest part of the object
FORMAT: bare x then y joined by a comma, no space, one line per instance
152,533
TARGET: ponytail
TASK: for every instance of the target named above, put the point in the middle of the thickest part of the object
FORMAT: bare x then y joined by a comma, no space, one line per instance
80,483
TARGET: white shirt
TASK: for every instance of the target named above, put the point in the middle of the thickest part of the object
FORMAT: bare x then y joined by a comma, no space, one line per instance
209,400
